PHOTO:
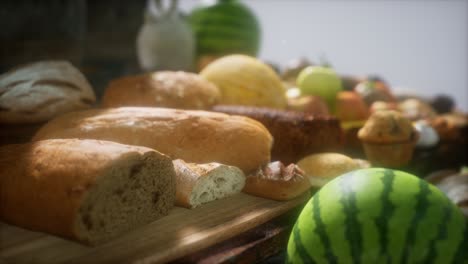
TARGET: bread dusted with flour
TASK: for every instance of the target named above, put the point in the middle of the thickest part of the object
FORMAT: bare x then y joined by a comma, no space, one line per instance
39,91
86,190
193,136
197,184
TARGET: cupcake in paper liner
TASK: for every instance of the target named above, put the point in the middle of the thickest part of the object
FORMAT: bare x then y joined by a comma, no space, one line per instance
388,138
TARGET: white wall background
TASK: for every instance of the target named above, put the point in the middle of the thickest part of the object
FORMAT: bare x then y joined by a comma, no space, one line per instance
417,46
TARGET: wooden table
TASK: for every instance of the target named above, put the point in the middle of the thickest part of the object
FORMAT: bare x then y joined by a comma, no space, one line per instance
234,227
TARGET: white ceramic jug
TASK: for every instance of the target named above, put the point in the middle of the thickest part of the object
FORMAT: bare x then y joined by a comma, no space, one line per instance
165,40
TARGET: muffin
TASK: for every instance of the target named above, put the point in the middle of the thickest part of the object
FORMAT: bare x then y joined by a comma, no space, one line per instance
388,139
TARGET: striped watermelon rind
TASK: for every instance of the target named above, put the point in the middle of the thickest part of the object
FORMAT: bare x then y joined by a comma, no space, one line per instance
379,216
225,27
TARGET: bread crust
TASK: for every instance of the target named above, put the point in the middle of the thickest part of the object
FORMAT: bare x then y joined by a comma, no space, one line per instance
39,91
43,184
282,185
186,179
193,136
171,89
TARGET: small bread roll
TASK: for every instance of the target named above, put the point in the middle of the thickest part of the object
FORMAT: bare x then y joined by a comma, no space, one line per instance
180,89
323,167
277,182
197,184
39,91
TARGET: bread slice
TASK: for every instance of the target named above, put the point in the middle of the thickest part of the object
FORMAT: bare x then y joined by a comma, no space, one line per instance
86,190
202,183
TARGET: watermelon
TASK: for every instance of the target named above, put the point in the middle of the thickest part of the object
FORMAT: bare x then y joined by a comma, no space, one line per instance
225,27
378,215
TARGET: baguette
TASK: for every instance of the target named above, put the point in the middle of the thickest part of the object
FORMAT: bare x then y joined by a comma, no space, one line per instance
85,190
193,136
197,184
277,182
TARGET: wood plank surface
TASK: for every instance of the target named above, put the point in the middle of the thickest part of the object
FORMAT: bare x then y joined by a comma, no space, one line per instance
180,233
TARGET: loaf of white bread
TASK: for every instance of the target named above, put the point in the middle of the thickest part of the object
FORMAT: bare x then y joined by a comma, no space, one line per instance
193,136
39,91
198,184
85,190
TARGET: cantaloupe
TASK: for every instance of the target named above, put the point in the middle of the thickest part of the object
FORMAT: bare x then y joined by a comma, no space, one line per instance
245,80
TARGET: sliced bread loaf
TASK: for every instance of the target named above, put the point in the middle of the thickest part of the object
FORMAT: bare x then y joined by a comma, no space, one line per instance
86,190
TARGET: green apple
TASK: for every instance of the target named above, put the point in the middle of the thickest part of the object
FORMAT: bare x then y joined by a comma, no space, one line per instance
320,81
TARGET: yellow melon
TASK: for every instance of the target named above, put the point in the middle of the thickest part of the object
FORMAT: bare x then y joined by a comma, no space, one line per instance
244,80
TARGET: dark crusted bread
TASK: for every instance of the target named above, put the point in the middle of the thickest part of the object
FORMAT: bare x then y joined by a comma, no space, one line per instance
86,190
295,134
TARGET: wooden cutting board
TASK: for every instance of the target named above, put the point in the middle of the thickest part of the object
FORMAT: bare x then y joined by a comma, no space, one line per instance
180,233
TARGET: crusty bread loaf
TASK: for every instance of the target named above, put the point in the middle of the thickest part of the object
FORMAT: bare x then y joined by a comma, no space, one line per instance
295,134
86,190
193,136
39,91
277,182
197,184
180,89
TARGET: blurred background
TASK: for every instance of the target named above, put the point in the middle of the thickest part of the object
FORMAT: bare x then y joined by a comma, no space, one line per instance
416,46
